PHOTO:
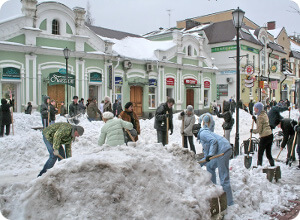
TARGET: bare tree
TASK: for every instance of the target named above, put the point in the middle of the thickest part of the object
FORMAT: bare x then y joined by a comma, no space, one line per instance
295,10
88,17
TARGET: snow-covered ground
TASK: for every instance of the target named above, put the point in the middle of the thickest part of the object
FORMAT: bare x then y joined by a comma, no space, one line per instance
147,181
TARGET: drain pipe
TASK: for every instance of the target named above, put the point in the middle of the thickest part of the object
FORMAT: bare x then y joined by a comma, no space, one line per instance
285,76
269,71
113,80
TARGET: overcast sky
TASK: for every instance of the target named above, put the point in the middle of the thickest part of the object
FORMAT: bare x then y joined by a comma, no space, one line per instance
143,16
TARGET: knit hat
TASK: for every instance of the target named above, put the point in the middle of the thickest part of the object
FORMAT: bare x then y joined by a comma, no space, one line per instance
75,97
189,108
259,106
108,115
128,104
279,104
77,128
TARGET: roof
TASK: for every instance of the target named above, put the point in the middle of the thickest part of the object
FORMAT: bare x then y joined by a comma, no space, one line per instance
105,32
275,32
225,31
276,47
295,54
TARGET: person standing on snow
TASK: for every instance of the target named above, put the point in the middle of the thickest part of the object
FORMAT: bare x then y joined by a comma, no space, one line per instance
297,129
228,119
287,125
117,108
45,111
107,105
92,110
28,110
63,109
186,130
274,114
160,123
74,108
213,145
112,131
54,137
6,117
53,112
130,116
265,134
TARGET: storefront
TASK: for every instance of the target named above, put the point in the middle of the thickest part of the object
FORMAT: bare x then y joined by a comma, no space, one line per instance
95,85
190,94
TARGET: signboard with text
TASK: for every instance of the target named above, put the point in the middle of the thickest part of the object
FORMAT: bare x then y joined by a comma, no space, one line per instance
152,82
206,84
118,80
95,77
190,81
58,78
170,81
11,73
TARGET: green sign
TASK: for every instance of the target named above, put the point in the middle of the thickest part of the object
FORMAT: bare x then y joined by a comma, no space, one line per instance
251,49
233,47
58,78
95,77
11,73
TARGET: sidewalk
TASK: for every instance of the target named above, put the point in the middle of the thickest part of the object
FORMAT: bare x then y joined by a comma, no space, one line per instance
293,212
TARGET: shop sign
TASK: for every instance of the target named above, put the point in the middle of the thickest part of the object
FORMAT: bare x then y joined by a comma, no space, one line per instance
274,56
118,80
250,49
261,84
249,69
224,48
222,90
110,77
11,73
274,84
170,81
190,81
62,71
95,77
206,84
152,82
58,78
228,72
274,68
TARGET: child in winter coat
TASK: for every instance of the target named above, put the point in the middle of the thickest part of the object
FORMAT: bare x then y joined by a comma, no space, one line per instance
228,120
214,144
112,131
265,133
189,120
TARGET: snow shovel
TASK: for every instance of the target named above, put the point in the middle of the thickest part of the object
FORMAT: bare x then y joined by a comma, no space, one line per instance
182,135
248,159
167,135
291,157
213,157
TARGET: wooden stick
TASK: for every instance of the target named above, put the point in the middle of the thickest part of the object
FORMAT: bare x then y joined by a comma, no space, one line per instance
213,157
12,120
128,132
249,147
182,131
167,135
279,154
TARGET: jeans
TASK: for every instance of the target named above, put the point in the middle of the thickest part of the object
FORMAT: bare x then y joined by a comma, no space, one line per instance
51,122
45,122
191,141
52,158
227,135
265,144
162,137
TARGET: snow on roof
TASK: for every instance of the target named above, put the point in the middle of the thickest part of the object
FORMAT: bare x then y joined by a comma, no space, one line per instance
11,18
275,32
139,48
295,46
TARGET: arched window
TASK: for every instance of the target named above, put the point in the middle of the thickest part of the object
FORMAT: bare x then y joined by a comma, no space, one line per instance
189,50
55,27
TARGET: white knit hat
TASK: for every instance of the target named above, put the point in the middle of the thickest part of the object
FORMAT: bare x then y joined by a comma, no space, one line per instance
108,115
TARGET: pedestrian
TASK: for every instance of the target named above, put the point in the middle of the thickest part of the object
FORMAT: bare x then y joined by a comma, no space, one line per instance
287,125
63,109
129,115
274,114
117,108
53,111
213,145
273,102
240,104
74,108
297,129
186,130
287,103
45,111
54,137
92,110
212,122
28,110
232,105
112,131
101,106
265,134
107,105
6,117
82,106
163,112
228,119
250,106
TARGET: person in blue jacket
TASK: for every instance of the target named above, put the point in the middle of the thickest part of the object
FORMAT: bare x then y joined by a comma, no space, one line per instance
213,145
212,122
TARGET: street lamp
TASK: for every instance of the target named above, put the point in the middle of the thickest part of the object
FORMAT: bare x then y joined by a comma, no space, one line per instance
238,16
67,55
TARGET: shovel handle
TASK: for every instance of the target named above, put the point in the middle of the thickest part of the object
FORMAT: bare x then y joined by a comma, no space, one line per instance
128,132
167,135
294,141
279,153
213,157
249,147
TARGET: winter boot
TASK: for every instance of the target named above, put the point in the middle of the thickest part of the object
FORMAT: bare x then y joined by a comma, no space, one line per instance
299,165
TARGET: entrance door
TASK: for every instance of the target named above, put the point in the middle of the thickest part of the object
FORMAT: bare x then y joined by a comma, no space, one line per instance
136,97
190,97
57,92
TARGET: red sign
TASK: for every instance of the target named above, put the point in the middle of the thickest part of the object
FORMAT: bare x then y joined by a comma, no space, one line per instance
249,69
170,81
274,84
206,84
190,81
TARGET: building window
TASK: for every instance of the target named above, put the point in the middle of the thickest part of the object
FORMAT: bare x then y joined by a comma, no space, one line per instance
152,97
55,27
118,93
189,50
170,93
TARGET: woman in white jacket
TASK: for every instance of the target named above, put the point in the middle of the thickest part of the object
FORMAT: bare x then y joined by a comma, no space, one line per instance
112,131
189,120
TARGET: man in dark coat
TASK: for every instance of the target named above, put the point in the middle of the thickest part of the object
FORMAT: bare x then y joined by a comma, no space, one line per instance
160,123
6,117
45,111
74,108
251,104
117,108
232,105
274,115
53,111
29,108
228,120
287,125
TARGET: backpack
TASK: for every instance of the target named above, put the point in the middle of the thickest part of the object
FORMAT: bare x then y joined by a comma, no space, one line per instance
196,129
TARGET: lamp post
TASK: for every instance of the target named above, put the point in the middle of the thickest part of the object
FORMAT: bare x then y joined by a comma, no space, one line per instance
67,55
238,16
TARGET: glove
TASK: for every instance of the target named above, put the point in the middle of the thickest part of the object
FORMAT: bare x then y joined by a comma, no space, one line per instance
254,118
251,130
182,113
296,128
55,152
166,115
171,131
208,158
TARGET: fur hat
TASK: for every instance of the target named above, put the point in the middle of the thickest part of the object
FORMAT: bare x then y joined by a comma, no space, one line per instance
128,104
77,128
108,115
189,108
259,106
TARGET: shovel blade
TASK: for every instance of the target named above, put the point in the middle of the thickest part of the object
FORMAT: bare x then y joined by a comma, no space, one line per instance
247,161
